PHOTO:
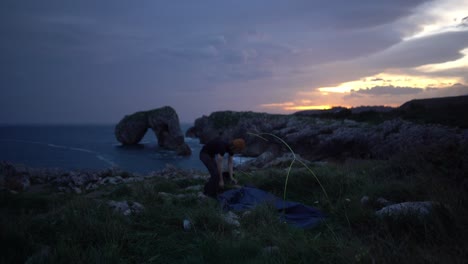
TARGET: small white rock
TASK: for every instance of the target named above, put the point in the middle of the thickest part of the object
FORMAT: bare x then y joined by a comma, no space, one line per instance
127,212
187,225
231,219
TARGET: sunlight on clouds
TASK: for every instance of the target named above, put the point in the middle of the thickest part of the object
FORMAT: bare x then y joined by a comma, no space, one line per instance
444,16
327,97
278,105
463,62
397,80
342,88
302,104
307,107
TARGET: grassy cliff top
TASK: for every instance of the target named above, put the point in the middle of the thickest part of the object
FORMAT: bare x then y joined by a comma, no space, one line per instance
72,228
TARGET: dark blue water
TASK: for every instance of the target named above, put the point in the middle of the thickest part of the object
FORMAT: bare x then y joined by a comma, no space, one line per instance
88,147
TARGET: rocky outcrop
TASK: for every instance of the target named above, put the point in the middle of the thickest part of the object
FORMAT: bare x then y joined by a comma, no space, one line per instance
320,139
83,181
163,121
231,125
417,209
14,178
126,208
268,160
445,110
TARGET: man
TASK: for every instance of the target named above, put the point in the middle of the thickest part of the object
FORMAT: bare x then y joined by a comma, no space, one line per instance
212,155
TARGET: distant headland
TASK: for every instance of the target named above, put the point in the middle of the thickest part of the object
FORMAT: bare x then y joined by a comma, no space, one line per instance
339,133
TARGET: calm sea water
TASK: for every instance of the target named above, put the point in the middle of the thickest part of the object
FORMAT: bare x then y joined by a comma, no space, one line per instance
88,147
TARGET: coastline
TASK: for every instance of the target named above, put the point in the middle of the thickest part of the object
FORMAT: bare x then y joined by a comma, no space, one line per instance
19,178
87,147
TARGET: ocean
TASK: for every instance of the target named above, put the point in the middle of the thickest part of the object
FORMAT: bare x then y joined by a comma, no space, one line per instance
88,147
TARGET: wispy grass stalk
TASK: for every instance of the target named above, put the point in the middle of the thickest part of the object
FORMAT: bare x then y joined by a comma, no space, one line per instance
259,135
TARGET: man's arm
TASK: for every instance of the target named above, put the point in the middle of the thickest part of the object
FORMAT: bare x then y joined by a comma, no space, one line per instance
219,163
231,165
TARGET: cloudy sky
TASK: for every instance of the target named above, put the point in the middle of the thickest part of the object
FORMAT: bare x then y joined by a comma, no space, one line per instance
93,61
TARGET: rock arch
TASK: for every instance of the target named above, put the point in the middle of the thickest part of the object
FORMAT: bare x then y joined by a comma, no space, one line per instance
163,121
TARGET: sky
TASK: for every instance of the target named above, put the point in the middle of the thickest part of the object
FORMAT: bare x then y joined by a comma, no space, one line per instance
90,61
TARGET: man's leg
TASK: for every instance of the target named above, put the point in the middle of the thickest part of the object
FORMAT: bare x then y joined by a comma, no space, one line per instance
212,186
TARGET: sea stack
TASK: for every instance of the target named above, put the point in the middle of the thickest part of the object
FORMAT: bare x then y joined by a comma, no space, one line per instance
163,121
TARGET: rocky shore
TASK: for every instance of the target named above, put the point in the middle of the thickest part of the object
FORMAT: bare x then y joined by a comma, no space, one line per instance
418,127
270,137
273,140
17,178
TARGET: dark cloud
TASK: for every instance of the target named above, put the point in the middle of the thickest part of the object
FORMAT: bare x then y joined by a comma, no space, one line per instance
388,90
369,13
431,49
453,72
464,22
193,53
454,90
398,95
249,75
403,56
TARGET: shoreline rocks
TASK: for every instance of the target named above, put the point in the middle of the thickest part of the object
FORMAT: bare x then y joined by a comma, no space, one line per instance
270,136
395,211
126,208
19,178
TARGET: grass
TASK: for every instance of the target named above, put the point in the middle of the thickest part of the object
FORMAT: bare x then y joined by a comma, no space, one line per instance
77,229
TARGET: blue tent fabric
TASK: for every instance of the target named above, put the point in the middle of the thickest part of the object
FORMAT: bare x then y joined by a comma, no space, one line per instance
293,213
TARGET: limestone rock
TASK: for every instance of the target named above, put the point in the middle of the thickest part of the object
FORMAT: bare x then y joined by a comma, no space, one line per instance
382,202
18,178
112,180
76,190
164,122
231,219
418,209
183,150
14,179
187,224
317,138
239,124
194,188
263,159
137,208
126,208
131,129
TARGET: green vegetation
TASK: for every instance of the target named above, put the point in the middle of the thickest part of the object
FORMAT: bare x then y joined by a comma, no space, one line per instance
78,229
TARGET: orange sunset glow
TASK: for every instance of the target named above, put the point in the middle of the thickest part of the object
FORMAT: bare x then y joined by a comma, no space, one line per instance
400,72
